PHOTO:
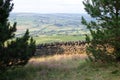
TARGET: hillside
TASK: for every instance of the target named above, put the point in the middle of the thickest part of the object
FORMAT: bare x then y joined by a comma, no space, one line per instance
49,24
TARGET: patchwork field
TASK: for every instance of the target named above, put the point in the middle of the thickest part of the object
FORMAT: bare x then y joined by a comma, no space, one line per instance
49,24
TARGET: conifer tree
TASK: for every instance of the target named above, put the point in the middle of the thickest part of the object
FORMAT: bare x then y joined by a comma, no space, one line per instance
105,31
13,51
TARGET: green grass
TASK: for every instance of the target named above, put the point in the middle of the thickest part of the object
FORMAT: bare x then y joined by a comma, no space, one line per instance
71,67
58,38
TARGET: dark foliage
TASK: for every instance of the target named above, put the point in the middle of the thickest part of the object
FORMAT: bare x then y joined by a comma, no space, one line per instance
105,31
13,52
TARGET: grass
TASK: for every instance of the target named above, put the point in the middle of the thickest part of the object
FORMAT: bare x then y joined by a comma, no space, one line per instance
65,67
58,38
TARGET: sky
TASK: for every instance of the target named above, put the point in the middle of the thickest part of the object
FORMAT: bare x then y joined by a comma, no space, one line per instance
48,6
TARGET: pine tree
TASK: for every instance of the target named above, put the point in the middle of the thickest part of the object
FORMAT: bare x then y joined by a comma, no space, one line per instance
105,31
13,51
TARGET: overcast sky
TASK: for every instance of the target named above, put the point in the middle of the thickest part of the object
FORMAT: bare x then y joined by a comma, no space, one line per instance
49,6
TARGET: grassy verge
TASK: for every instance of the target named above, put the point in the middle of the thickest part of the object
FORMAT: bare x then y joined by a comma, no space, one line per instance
58,38
65,67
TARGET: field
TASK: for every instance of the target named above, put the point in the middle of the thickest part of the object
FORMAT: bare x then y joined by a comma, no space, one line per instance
58,38
49,24
71,64
65,67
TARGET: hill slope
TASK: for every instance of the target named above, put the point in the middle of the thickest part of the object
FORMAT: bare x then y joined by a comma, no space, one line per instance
49,24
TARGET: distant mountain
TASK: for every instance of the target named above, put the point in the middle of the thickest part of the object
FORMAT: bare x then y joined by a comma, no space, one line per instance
49,24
